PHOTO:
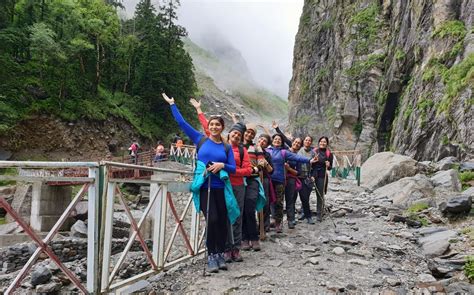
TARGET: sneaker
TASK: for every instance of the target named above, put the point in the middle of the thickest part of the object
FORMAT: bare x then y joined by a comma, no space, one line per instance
212,265
245,245
291,224
278,228
310,220
256,246
236,255
221,261
228,256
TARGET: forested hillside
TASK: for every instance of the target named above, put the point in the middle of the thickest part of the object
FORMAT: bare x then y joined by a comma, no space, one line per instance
77,60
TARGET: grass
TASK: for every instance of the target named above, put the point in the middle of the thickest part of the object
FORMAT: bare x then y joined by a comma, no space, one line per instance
469,268
366,23
466,177
415,217
418,207
3,220
360,68
468,231
399,54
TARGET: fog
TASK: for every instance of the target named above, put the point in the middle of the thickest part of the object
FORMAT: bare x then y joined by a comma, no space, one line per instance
262,30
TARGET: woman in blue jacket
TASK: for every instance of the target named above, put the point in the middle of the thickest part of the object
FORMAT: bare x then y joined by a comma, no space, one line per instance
217,156
279,157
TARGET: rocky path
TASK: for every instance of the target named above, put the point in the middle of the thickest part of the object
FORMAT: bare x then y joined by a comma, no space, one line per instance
366,251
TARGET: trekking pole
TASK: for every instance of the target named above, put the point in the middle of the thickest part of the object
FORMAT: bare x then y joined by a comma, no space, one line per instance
324,193
207,222
322,198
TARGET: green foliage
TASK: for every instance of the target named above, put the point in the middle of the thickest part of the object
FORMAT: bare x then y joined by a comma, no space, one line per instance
469,268
466,178
330,114
304,87
302,121
399,54
407,113
8,171
417,207
306,18
366,24
360,68
77,59
357,128
454,29
327,24
416,217
322,74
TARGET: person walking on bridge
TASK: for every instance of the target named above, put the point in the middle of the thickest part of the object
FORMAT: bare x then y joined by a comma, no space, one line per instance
214,196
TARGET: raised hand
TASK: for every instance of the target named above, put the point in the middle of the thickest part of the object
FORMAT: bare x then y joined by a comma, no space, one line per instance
196,104
168,100
233,116
274,124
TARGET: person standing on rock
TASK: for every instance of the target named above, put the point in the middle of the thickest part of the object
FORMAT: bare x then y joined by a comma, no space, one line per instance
212,191
305,178
319,173
279,157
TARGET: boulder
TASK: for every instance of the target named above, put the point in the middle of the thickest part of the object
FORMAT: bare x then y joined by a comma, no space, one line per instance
467,166
80,211
448,180
447,163
8,228
457,205
386,167
407,190
469,192
436,244
79,229
40,275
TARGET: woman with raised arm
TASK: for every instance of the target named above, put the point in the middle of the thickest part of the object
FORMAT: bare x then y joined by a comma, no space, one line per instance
279,157
319,173
215,161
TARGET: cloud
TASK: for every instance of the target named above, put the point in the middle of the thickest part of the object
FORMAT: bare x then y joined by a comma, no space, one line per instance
262,30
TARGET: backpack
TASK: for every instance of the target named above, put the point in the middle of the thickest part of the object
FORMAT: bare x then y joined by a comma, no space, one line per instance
241,154
226,147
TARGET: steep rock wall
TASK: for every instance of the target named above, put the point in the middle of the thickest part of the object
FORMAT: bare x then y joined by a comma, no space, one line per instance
386,75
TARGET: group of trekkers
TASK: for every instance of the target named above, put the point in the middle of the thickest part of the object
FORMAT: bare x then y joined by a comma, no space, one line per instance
237,177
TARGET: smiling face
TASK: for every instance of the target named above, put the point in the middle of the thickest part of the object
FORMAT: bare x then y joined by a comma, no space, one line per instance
296,145
215,127
249,135
263,142
234,137
277,141
308,141
323,143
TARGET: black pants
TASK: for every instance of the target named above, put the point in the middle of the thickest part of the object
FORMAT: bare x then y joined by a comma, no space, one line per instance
217,222
304,193
249,220
320,194
290,189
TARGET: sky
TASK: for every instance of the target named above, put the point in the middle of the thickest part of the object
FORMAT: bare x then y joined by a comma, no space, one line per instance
262,30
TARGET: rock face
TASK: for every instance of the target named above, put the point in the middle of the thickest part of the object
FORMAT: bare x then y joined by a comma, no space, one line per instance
380,75
386,167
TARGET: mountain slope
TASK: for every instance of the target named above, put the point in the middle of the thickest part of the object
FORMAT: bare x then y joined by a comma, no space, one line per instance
225,85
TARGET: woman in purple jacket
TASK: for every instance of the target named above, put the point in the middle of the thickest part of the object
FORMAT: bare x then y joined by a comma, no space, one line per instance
279,157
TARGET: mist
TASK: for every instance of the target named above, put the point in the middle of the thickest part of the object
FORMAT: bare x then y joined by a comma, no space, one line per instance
262,30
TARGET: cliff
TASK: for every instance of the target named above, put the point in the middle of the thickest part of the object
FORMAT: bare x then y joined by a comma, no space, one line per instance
386,75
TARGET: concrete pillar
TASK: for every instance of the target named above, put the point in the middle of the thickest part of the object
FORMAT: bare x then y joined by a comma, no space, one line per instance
48,203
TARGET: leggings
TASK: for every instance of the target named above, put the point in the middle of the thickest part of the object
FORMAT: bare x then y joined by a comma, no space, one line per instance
217,222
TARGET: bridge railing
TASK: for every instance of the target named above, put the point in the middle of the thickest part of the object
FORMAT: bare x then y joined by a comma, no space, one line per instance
177,228
347,162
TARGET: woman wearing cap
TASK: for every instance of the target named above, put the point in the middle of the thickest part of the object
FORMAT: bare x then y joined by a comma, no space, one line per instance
216,160
279,157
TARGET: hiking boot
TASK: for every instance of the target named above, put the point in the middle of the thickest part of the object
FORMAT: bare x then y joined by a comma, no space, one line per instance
310,220
245,245
256,246
212,265
236,255
278,228
228,256
291,224
221,261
